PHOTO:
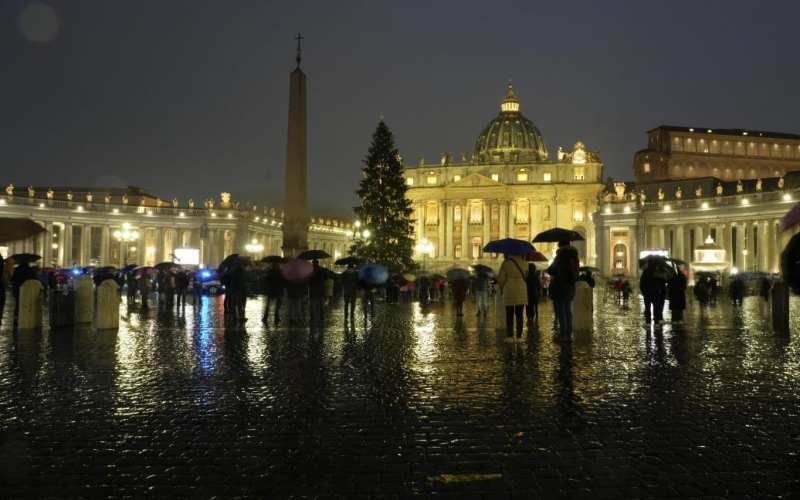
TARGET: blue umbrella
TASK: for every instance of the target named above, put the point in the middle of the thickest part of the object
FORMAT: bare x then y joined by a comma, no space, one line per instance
509,246
129,268
373,274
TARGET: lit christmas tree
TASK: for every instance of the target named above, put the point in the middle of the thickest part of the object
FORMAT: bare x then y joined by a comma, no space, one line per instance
385,211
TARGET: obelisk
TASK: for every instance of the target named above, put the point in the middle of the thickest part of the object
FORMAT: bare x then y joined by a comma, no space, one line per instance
295,210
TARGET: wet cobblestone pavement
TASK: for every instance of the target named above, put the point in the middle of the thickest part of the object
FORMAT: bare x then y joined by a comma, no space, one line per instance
184,406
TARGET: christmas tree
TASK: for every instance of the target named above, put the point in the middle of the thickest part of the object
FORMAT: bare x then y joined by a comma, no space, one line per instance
385,211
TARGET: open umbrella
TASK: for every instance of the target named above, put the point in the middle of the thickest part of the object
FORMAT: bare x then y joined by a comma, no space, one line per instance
106,270
480,268
457,273
346,261
275,259
314,254
397,279
790,263
753,275
438,277
557,234
298,270
536,257
791,219
165,266
26,258
510,246
373,274
129,268
14,229
148,271
678,262
410,276
589,269
48,270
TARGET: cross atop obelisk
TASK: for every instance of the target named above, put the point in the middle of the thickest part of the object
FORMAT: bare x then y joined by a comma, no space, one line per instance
299,37
295,209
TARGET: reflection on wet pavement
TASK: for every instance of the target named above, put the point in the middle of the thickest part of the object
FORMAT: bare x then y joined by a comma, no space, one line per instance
179,404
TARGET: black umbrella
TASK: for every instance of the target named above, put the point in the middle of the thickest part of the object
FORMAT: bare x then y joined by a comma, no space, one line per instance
14,229
480,268
510,246
678,262
165,266
26,258
790,263
557,234
589,269
106,270
346,261
275,259
314,254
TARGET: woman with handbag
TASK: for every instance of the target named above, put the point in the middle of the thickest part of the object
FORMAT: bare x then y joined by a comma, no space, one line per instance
512,282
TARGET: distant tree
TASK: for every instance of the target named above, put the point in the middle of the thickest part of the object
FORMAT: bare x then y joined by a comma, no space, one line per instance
385,211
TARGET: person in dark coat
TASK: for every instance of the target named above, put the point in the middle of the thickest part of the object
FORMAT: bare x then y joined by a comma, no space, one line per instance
22,273
275,285
564,274
460,295
350,290
316,291
676,289
534,283
296,292
737,291
701,291
181,285
654,291
424,286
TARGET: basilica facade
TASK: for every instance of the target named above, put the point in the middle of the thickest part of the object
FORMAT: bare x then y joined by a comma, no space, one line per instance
510,188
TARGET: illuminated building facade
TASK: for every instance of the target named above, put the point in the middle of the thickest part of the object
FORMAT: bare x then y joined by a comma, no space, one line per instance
81,227
730,185
510,188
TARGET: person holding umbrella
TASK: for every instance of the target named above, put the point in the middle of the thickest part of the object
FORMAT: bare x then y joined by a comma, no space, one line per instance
512,282
276,285
316,292
564,274
481,288
653,285
676,290
350,290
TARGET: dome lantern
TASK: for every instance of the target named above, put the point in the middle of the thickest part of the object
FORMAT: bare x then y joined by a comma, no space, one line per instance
510,103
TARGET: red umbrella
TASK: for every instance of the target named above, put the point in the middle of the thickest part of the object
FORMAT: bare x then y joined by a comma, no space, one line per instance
791,219
298,270
536,257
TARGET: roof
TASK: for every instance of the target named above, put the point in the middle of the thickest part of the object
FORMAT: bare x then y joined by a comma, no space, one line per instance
727,131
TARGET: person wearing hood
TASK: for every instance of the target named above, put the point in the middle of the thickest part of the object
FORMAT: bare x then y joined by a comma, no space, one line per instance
511,280
564,273
350,290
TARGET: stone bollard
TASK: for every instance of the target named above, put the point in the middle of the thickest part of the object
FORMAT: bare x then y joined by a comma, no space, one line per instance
582,307
108,305
30,305
780,307
84,288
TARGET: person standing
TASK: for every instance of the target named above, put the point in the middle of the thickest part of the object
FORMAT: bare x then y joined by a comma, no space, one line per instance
534,284
512,282
676,289
350,290
460,294
424,286
737,291
130,280
276,285
197,288
296,292
765,287
144,290
181,285
654,291
316,292
481,289
169,287
564,274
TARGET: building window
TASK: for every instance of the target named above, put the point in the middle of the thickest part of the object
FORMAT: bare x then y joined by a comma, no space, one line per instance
522,211
432,213
457,213
577,212
546,213
495,213
579,173
496,177
476,247
456,178
457,251
475,213
409,181
522,177
547,177
431,179
646,167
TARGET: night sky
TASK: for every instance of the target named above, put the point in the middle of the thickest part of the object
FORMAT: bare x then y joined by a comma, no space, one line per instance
189,98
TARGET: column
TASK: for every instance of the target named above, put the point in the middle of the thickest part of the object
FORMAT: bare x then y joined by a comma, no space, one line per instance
487,223
503,219
464,231
159,237
420,221
751,260
47,256
679,244
440,243
141,248
727,241
698,236
773,258
67,242
763,246
739,257
605,249
661,238
86,239
448,232
104,245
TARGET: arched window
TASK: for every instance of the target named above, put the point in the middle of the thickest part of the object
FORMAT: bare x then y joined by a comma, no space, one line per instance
620,256
495,213
431,213
476,212
523,208
578,211
457,251
476,247
457,213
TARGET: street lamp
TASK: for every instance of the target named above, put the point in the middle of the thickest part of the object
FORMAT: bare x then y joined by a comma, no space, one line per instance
254,247
125,237
425,248
359,235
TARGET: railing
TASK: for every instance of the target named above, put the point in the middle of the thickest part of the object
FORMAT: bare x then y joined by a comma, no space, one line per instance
794,194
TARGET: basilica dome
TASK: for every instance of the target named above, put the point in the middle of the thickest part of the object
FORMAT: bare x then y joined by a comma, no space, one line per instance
510,137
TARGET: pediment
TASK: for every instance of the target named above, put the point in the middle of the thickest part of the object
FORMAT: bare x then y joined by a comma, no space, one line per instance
475,181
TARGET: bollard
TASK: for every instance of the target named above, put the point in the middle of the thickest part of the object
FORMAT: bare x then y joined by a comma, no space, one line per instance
582,307
30,305
85,299
780,307
108,305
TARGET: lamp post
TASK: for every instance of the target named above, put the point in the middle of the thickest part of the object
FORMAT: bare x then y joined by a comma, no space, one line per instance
425,248
359,235
125,237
